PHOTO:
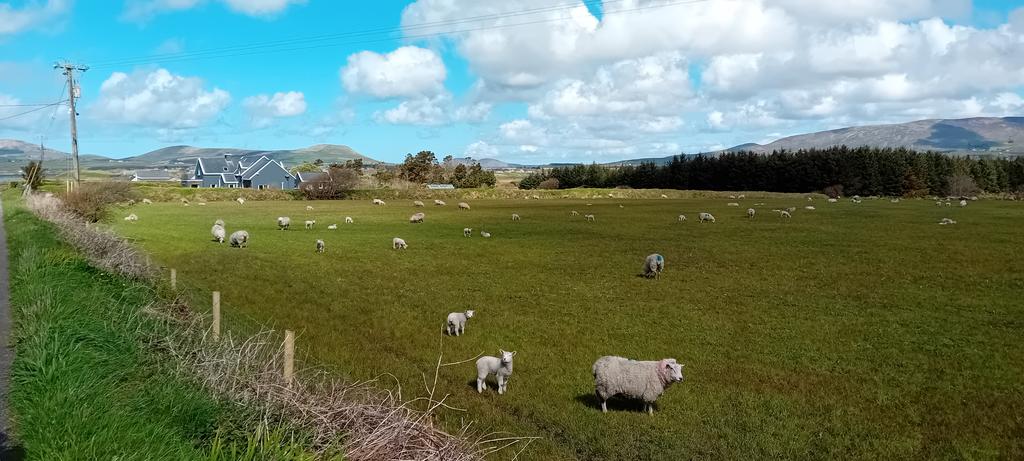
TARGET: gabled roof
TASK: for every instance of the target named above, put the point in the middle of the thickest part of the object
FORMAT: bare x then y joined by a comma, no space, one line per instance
256,166
228,178
313,176
217,165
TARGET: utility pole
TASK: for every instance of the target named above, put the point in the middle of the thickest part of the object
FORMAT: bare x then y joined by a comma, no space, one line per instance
74,92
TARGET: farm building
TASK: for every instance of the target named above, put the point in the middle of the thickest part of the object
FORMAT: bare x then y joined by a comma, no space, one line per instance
264,173
151,175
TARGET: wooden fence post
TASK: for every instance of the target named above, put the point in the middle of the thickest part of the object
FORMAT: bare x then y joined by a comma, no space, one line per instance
289,356
174,279
216,315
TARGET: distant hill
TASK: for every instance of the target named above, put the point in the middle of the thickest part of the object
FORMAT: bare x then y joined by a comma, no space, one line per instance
980,134
185,156
485,163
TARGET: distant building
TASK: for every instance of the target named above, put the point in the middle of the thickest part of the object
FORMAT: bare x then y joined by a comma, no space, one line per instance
151,175
306,180
226,172
440,186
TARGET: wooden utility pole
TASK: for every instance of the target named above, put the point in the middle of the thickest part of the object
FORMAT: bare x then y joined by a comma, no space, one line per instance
74,93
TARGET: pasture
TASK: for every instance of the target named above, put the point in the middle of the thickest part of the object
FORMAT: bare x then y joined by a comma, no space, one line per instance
860,331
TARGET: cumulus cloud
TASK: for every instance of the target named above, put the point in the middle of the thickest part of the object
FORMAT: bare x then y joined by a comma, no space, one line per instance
143,10
407,72
480,150
264,108
158,99
32,14
419,111
24,118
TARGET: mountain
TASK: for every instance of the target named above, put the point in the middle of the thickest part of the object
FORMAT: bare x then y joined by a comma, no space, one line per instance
185,156
486,163
979,134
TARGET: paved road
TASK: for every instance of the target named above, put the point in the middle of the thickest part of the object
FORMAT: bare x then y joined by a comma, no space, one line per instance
6,353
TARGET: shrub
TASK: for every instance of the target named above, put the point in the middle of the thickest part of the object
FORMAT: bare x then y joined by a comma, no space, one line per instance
335,184
92,200
33,174
550,183
531,181
834,191
962,185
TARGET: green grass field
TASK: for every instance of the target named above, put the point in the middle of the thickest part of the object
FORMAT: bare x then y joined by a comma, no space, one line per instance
853,331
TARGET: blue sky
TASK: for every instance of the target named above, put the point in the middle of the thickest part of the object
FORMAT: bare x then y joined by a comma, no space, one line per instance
532,81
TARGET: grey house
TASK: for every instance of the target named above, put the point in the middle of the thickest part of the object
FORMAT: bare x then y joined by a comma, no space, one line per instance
151,175
264,173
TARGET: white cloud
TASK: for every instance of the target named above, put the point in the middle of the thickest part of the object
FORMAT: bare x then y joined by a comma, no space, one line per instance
158,99
143,10
264,108
420,111
261,7
480,150
473,113
32,14
25,118
407,72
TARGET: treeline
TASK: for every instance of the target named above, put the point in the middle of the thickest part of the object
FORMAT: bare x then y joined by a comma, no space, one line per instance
836,171
423,168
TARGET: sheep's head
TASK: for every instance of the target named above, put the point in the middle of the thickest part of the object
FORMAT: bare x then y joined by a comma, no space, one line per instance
506,357
671,370
469,313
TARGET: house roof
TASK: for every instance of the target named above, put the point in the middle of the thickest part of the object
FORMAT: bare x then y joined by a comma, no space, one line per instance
152,174
228,178
217,165
313,176
256,166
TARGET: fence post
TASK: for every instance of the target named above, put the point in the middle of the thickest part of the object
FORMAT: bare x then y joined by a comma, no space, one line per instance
174,279
216,315
289,356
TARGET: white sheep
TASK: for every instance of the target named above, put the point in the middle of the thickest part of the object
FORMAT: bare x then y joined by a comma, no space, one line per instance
536,197
332,227
348,220
467,232
218,233
463,206
706,217
785,214
398,244
947,221
574,213
515,217
751,212
219,222
500,367
456,324
439,202
590,217
319,246
809,207
417,218
283,222
485,234
309,207
654,264
832,200
239,239
963,203
378,201
185,201
732,204
132,218
791,209
240,200
643,380
732,197
310,223
857,200
664,196
147,201
681,218
895,200
417,203
201,204
741,196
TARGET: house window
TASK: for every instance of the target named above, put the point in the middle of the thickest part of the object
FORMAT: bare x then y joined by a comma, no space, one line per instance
261,186
213,186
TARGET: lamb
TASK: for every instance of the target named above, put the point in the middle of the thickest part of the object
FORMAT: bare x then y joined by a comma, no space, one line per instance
239,239
485,234
733,204
785,214
348,220
456,325
654,265
500,367
332,227
399,244
644,380
240,200
681,218
946,221
706,217
590,217
132,218
463,206
309,224
439,202
515,217
283,222
751,212
319,246
963,203
574,213
378,201
309,207
467,232
218,233
417,218
147,201
417,203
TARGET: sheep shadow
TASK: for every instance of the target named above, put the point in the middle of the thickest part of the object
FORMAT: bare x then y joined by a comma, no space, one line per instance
9,451
615,404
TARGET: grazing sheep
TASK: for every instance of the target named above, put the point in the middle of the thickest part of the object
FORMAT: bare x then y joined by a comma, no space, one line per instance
132,217
664,196
439,202
398,243
457,322
643,380
574,213
319,246
733,204
485,234
681,218
732,197
463,206
218,233
515,217
706,217
309,207
947,221
963,202
832,200
239,239
348,220
785,214
332,227
378,201
201,204
791,209
536,197
467,232
949,204
654,265
810,199
751,212
855,200
184,200
309,224
131,202
741,196
974,198
283,222
500,367
219,222
147,201
809,207
938,203
895,200
590,217
240,200
417,203
417,218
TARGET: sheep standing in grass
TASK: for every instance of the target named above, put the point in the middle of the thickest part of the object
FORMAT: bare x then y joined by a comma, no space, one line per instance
398,244
791,209
131,218
485,234
732,204
417,203
239,239
439,202
946,221
500,367
741,196
963,202
147,201
751,212
515,217
785,214
654,265
378,201
809,207
319,246
348,220
240,200
467,232
590,217
417,218
706,217
463,206
457,322
219,222
218,233
332,227
832,200
664,196
643,380
309,224
201,204
309,207
681,218
574,213
283,222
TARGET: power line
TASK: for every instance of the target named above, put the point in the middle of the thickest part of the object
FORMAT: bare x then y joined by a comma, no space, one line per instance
31,111
28,105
